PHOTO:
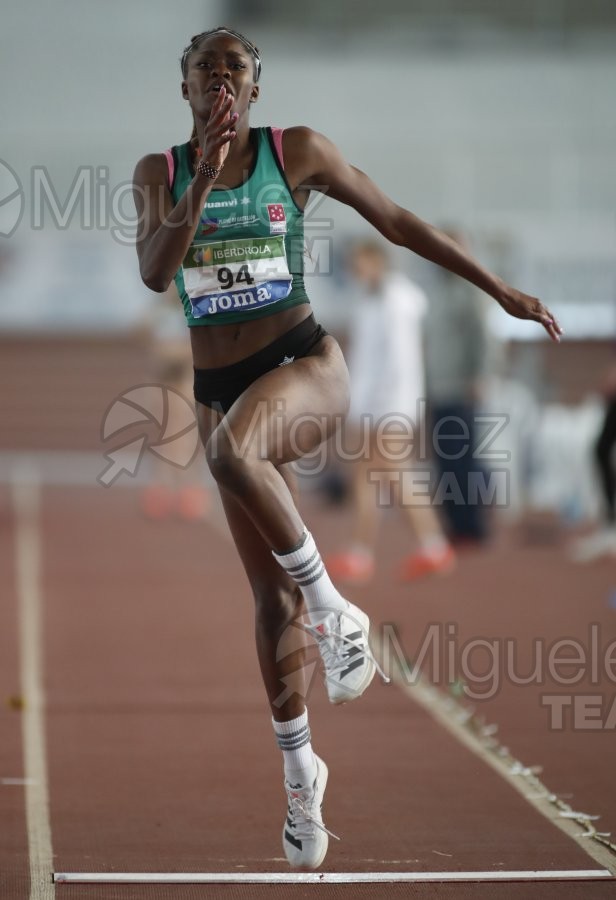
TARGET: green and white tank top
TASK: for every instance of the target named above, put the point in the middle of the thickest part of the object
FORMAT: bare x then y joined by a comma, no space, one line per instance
246,259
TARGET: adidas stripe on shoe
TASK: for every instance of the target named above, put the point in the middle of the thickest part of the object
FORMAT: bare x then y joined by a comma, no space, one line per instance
342,639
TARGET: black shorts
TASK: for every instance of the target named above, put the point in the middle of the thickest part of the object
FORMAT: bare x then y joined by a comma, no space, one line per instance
220,388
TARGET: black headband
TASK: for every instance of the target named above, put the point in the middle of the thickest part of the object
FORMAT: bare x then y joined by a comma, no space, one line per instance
222,30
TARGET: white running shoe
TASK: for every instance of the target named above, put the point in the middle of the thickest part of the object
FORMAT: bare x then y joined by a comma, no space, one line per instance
304,836
342,639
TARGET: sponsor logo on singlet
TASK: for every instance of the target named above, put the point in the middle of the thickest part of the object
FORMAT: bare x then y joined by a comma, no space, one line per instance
221,204
261,296
207,226
277,218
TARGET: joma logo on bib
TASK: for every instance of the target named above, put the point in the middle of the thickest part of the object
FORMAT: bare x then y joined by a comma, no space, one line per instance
240,300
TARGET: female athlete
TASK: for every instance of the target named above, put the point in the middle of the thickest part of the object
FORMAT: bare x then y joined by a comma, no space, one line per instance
222,215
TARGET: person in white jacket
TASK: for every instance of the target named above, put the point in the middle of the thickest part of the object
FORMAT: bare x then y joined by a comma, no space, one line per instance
385,419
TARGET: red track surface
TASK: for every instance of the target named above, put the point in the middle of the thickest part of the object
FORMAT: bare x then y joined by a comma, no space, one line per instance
160,750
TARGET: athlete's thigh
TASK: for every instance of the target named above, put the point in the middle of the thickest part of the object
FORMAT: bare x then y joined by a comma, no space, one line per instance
208,420
261,568
290,410
263,572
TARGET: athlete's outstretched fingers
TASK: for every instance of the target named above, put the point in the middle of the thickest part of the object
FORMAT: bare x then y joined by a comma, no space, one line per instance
545,318
541,314
552,326
523,306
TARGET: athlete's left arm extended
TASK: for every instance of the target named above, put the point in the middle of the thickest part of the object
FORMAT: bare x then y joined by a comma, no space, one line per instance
324,169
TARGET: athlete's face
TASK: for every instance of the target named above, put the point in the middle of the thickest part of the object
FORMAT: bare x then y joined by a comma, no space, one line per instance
219,60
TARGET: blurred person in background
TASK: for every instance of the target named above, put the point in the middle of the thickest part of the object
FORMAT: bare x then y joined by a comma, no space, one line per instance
386,368
602,542
172,489
460,356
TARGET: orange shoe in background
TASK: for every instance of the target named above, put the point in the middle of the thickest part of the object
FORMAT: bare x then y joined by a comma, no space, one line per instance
433,562
193,503
351,566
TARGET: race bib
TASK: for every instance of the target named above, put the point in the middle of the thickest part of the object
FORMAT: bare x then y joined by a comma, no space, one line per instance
236,276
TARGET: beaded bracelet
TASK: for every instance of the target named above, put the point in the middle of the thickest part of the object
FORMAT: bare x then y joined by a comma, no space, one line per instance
207,169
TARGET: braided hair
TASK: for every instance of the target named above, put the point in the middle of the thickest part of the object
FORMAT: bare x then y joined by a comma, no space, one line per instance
194,43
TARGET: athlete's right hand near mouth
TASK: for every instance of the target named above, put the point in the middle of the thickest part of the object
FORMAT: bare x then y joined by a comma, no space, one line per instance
220,130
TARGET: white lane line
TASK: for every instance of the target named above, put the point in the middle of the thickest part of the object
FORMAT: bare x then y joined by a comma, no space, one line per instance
17,782
322,877
25,492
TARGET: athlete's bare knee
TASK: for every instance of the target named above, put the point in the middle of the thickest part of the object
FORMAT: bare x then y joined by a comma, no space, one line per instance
229,463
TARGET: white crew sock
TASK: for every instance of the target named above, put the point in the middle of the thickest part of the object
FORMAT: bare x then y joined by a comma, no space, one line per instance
293,737
305,566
